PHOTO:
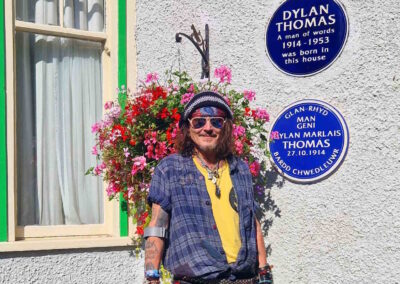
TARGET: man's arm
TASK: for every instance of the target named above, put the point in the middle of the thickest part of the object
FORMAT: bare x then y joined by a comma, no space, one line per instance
154,247
262,254
264,269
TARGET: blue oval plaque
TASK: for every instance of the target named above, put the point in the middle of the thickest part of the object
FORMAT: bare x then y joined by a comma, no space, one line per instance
304,37
309,140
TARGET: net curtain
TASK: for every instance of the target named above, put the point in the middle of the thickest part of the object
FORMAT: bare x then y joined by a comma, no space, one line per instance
59,97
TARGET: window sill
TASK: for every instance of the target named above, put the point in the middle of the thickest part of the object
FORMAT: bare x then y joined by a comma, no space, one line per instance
41,244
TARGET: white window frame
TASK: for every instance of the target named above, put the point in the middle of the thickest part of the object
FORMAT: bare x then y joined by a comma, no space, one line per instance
30,237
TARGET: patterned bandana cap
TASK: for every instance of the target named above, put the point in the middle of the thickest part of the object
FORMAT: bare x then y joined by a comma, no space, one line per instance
205,99
209,111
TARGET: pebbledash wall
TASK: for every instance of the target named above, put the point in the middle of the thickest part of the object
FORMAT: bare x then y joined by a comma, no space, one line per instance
344,229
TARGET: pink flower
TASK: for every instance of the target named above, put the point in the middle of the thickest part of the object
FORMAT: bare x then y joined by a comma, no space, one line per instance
139,163
98,170
239,147
274,135
223,73
254,168
126,152
131,190
161,150
96,127
238,131
186,98
175,131
108,105
150,138
144,186
149,152
112,189
115,135
249,95
260,113
151,77
115,111
94,150
191,88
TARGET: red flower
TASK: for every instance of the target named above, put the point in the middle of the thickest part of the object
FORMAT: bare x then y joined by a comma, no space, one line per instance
132,142
159,92
144,103
116,165
169,135
139,230
175,115
254,168
164,113
143,217
123,131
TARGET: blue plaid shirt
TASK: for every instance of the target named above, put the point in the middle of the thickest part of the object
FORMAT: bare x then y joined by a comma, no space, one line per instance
194,248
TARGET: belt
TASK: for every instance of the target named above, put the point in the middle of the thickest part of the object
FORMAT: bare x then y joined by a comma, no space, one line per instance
188,280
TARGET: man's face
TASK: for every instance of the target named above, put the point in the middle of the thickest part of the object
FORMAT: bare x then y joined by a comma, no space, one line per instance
206,137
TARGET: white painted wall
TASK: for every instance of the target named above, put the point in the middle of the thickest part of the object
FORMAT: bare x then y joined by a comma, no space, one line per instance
108,266
345,229
342,230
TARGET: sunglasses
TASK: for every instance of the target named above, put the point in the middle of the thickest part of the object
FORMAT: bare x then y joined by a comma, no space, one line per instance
199,122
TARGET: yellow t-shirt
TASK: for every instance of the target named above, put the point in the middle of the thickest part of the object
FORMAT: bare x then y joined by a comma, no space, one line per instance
224,210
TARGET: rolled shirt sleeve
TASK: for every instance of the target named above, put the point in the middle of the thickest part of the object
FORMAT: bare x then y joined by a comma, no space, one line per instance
159,192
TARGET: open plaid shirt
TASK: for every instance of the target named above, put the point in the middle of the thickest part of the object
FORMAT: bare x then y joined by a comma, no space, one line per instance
193,247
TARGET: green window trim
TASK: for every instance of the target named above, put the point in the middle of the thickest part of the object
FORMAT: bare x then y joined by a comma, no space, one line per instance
123,208
3,134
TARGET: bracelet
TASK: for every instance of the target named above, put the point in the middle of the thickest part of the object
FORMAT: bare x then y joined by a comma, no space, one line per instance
152,274
264,274
154,281
265,269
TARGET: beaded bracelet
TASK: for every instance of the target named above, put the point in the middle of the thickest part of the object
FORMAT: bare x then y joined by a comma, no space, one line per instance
264,274
154,274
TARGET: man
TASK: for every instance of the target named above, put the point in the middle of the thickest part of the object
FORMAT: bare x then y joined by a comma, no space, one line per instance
203,222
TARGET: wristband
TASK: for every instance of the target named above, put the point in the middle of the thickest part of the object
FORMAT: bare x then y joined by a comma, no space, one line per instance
154,274
265,269
264,274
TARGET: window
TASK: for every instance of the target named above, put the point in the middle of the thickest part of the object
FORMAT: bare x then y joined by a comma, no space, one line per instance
62,54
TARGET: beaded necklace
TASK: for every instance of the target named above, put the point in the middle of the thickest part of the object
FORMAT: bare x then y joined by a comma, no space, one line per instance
212,175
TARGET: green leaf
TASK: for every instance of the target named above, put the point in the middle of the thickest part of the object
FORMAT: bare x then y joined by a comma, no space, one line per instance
89,171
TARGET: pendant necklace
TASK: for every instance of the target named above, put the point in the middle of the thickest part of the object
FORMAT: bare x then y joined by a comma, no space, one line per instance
212,175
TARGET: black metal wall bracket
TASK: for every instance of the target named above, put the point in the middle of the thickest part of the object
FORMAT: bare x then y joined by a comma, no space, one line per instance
202,45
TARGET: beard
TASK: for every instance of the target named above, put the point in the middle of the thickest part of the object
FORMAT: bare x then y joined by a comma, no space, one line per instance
207,148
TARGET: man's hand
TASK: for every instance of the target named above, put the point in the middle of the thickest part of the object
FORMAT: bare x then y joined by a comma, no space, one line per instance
154,247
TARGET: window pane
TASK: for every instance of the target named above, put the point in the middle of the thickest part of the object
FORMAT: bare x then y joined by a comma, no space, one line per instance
39,11
85,15
59,97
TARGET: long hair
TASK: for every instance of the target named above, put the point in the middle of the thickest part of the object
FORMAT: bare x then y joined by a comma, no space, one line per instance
185,146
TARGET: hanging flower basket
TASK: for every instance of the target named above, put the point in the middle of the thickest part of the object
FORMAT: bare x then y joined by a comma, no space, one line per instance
138,130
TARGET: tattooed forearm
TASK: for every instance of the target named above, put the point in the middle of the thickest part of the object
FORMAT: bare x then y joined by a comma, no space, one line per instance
150,266
153,253
154,245
151,250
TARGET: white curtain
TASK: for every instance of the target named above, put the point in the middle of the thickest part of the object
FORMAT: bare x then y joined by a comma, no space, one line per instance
65,79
